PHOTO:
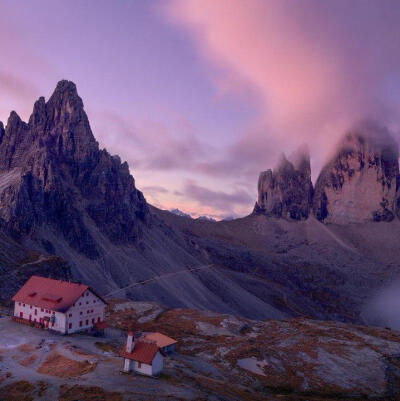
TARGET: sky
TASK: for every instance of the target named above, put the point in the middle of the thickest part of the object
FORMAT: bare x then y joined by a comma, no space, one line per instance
200,96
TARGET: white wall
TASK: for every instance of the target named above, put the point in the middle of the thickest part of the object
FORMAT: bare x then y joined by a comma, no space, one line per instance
79,313
143,369
88,307
35,313
150,370
127,365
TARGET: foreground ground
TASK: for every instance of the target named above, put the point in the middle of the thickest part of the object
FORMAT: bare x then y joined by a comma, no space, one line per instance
219,357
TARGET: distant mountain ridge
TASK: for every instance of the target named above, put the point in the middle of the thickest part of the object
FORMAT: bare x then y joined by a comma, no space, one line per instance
183,214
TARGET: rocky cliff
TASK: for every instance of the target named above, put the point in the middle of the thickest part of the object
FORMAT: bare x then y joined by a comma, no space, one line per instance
359,183
53,173
62,195
287,191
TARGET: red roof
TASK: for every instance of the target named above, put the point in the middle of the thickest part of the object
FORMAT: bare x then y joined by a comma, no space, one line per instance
50,294
160,339
142,352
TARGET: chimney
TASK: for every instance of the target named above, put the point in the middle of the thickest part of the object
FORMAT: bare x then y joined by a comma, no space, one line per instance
130,343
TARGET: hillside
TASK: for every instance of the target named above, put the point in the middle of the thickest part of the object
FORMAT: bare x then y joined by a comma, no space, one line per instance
63,197
218,357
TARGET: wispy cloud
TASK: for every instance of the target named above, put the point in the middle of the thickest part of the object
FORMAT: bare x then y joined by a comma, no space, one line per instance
218,200
312,70
11,85
155,189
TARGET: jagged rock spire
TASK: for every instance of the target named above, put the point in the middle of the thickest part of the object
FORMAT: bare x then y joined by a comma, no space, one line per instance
286,191
59,177
359,183
38,116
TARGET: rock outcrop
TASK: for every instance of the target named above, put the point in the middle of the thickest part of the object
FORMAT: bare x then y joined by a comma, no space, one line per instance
52,173
287,191
359,183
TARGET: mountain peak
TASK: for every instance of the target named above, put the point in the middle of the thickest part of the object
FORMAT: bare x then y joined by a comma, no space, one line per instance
66,87
55,163
13,118
287,190
39,112
65,97
359,183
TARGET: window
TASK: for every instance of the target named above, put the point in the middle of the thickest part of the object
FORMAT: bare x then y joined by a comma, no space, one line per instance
35,311
98,319
93,320
87,322
88,311
80,323
21,314
80,312
30,306
19,303
30,317
87,302
41,310
73,305
80,303
70,325
70,315
94,301
23,305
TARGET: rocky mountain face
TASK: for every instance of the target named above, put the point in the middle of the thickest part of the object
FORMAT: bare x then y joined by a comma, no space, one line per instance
360,183
70,202
53,173
60,194
287,191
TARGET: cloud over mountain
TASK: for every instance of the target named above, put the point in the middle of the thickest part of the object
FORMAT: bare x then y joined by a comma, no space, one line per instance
313,69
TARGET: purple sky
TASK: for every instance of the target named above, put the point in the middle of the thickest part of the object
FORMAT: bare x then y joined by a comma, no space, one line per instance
199,96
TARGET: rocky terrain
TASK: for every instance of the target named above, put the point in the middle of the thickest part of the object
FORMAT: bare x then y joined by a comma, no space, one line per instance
62,195
360,182
218,357
287,191
70,209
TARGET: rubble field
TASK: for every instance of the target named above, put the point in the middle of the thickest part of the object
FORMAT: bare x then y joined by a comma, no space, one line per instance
218,357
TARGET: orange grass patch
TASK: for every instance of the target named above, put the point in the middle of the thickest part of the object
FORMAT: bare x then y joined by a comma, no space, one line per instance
29,360
25,348
17,391
86,393
60,366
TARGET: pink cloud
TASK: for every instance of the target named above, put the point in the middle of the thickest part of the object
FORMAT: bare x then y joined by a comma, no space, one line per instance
315,67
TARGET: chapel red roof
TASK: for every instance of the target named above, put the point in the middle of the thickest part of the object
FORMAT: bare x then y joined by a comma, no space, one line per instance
50,294
142,352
